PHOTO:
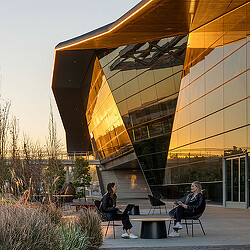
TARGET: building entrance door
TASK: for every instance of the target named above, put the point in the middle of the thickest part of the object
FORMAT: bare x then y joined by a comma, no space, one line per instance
235,181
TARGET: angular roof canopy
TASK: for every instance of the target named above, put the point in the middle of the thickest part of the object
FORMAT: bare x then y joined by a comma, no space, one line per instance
151,20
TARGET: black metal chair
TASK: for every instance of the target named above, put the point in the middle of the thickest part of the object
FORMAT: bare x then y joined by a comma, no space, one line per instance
105,219
192,223
156,203
190,220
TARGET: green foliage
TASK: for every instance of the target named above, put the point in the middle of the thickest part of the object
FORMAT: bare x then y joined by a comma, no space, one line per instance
72,238
90,223
54,174
80,194
81,173
7,202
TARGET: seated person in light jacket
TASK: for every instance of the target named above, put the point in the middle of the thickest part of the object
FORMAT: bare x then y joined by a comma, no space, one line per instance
111,211
190,205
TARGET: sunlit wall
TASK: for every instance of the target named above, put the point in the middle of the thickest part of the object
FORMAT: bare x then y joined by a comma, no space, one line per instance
213,111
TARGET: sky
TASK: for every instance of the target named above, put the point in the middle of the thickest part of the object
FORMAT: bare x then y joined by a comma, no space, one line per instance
29,32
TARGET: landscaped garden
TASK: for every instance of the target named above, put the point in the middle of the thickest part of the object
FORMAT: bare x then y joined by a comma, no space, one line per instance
34,226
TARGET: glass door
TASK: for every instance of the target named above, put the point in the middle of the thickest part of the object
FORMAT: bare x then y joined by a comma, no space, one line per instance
235,181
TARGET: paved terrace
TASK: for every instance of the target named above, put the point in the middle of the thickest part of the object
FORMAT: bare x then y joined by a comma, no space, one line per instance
225,228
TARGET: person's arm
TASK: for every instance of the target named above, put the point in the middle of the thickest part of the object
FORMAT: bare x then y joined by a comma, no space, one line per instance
105,206
182,200
197,204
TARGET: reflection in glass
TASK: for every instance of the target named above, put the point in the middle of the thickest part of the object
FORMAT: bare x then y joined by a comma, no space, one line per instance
131,88
229,181
197,110
144,79
235,63
197,151
214,124
148,96
214,77
197,130
213,170
235,116
235,179
103,117
165,88
214,101
211,119
242,179
235,90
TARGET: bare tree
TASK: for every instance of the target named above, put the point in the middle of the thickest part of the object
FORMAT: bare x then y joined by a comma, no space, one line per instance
54,173
15,160
4,129
54,145
14,140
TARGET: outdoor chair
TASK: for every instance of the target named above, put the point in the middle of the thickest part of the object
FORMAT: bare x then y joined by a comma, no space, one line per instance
111,222
156,204
192,221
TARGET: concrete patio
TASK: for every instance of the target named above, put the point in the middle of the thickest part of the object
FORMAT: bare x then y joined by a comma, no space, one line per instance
225,228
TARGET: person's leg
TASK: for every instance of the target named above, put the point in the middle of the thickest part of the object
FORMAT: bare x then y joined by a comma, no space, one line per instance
175,232
126,223
179,213
178,216
175,220
127,226
188,213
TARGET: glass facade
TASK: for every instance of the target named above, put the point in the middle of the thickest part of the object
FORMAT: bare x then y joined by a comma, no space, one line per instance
212,114
178,108
136,87
105,125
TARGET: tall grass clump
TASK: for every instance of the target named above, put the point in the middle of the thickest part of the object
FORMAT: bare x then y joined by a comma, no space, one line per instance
54,213
23,228
72,238
90,223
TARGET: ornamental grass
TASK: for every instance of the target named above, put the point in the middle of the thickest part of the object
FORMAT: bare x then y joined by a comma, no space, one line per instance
24,228
54,213
72,238
35,228
90,224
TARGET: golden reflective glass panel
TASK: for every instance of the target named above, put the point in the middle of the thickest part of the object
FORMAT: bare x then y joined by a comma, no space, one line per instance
103,116
235,116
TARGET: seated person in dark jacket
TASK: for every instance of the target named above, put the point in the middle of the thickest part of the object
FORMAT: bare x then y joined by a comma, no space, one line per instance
190,205
111,211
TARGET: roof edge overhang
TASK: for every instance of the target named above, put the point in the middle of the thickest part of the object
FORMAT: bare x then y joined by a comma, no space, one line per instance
152,20
104,30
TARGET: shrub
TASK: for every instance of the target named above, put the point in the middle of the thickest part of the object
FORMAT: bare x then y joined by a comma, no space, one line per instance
54,213
72,238
90,224
23,228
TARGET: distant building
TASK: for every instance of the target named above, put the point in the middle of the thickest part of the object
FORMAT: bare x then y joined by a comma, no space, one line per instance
161,96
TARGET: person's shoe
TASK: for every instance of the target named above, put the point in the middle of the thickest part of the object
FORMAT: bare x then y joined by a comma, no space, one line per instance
178,226
125,236
132,236
174,234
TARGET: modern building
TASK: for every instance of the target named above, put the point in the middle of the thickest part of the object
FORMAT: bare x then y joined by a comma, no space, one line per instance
162,97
